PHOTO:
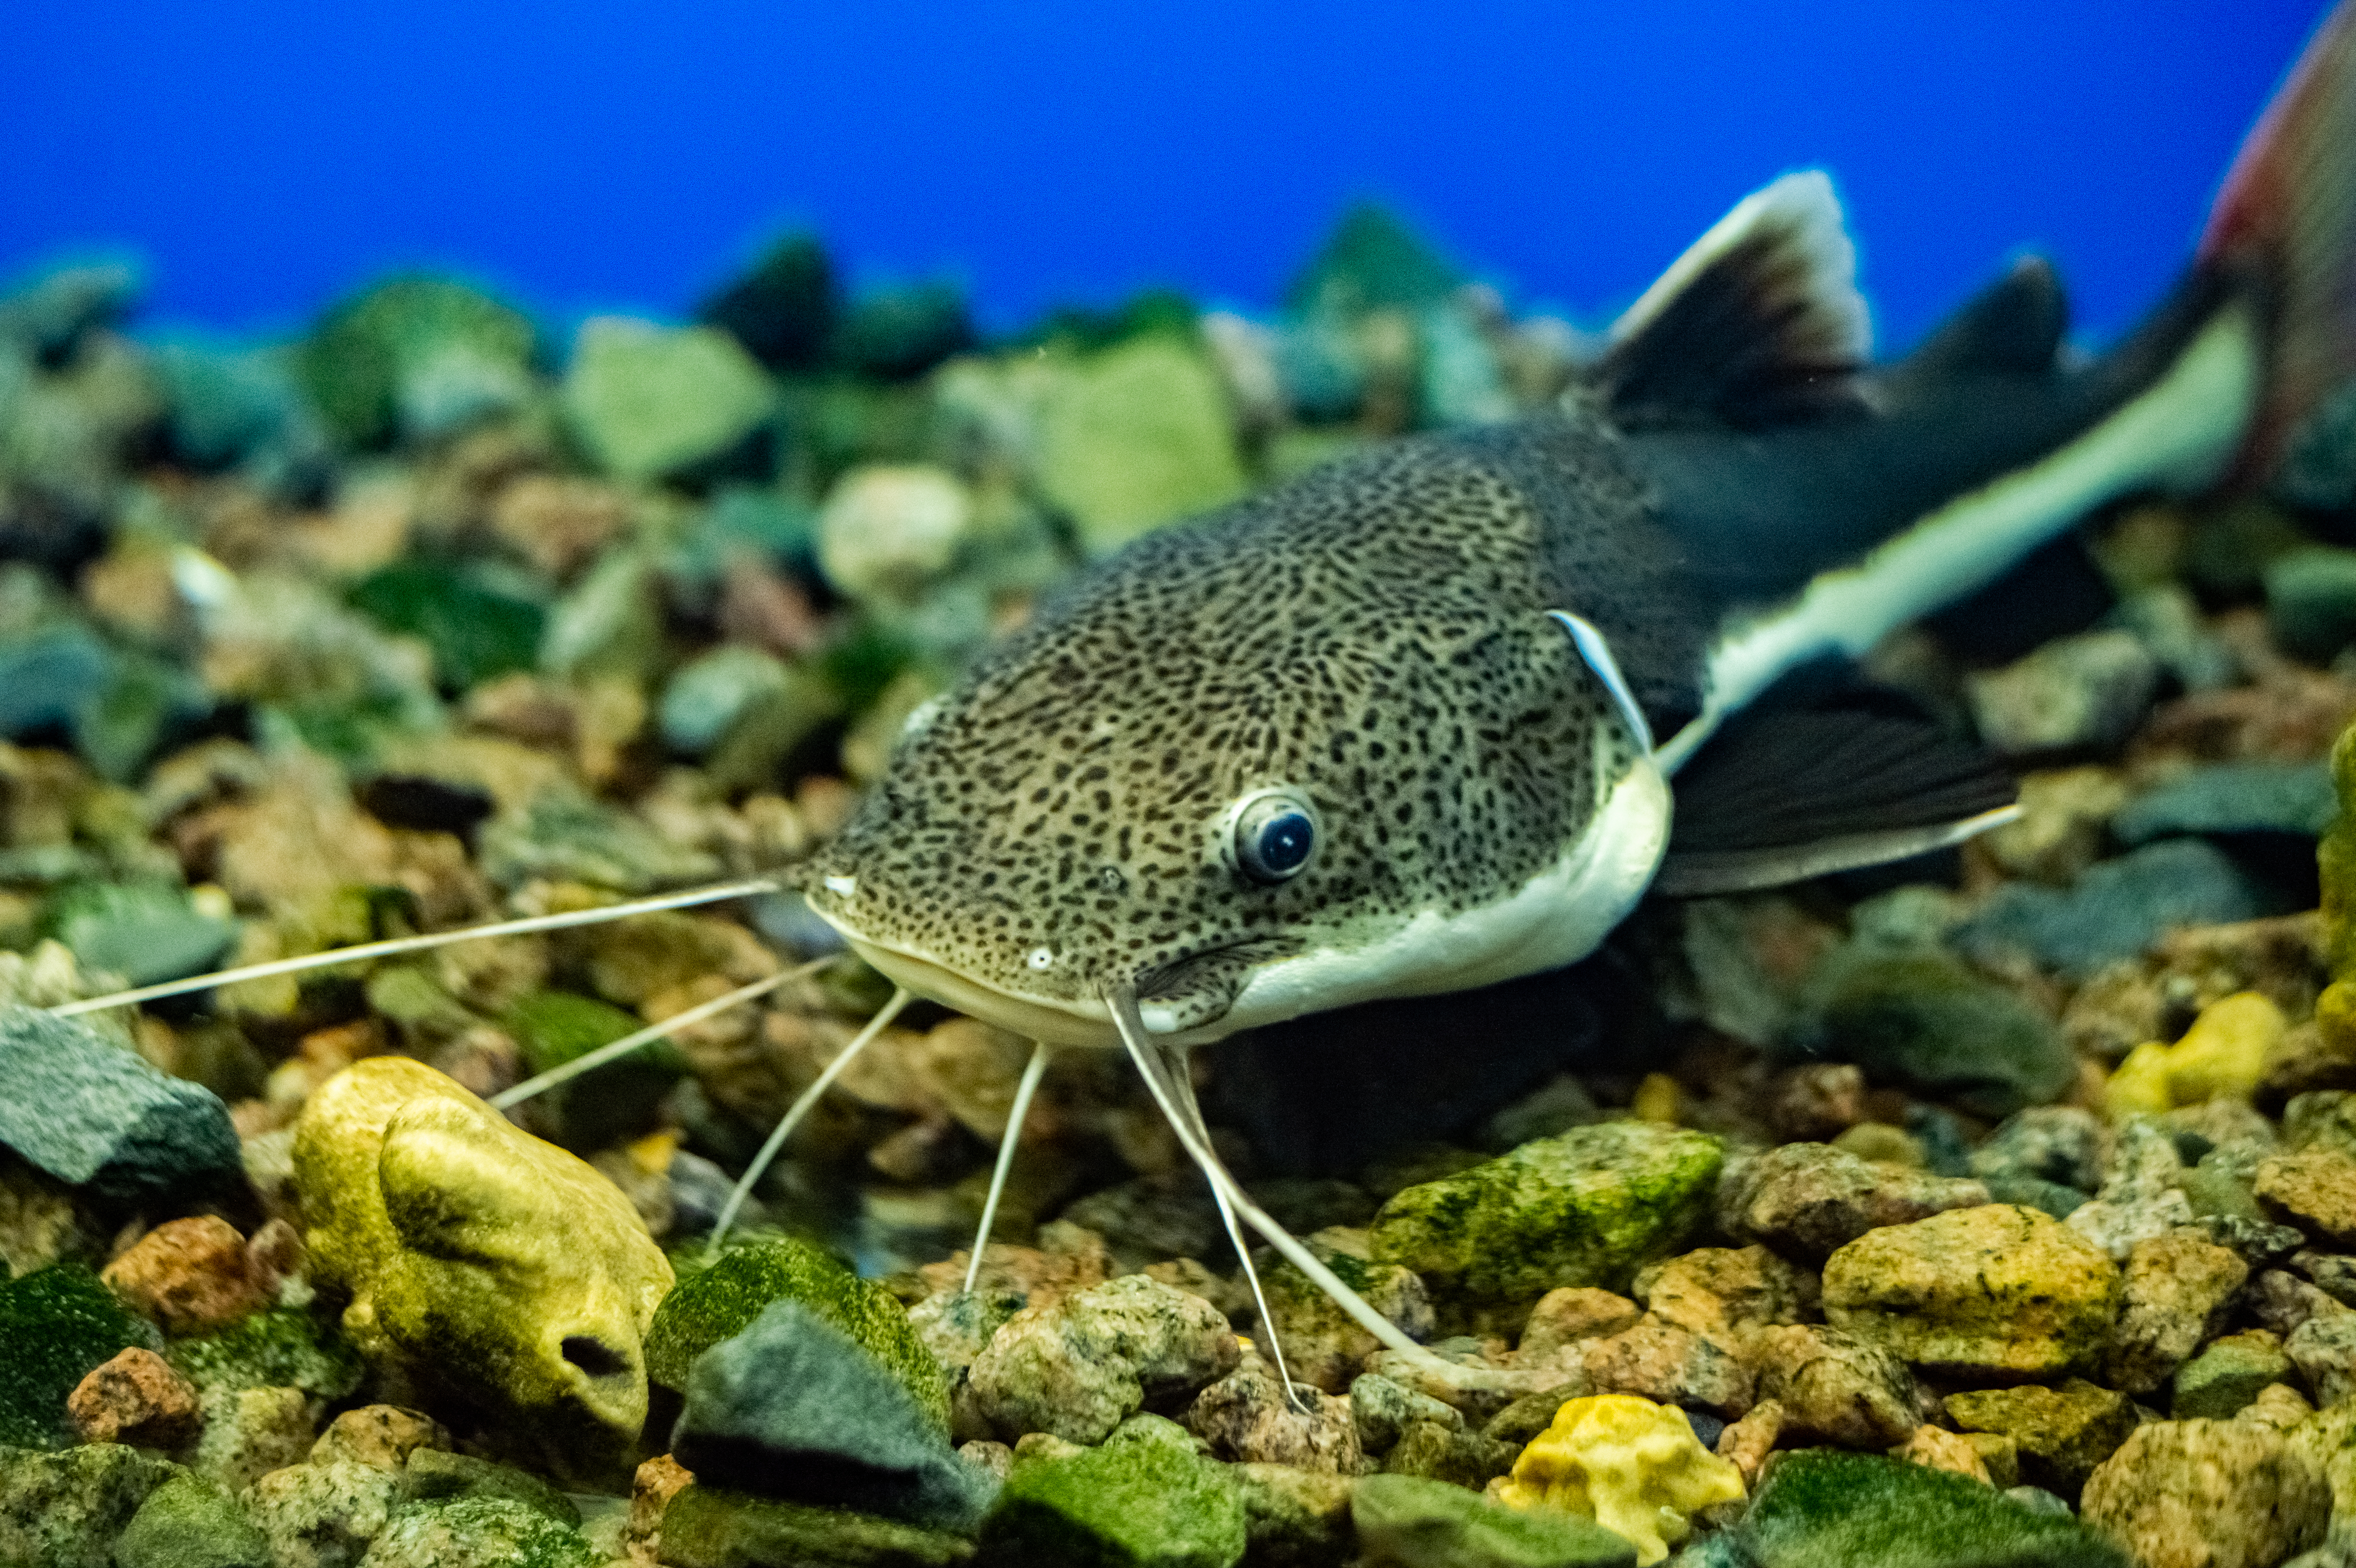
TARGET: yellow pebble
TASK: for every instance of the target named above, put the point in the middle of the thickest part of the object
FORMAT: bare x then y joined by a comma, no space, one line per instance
1632,1466
2221,1056
1656,1099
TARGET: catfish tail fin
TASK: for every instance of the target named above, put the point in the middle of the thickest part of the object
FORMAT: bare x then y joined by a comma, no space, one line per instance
2286,222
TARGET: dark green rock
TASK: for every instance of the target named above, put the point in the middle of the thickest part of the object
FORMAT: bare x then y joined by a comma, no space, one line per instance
1372,260
1923,1021
2061,1432
2233,798
1409,1523
794,1407
1136,1502
1294,1518
784,309
97,1116
478,1532
476,628
1450,1454
394,342
1585,1208
896,334
1822,1507
52,677
2312,602
2116,911
57,1324
2227,1374
722,1301
432,1475
607,1104
2032,1192
285,1347
66,1509
708,1528
144,932
570,839
189,1522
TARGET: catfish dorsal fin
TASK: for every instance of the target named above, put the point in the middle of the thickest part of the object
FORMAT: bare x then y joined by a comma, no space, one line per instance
1759,322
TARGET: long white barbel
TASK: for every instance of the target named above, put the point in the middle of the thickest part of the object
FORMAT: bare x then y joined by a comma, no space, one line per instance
1032,1070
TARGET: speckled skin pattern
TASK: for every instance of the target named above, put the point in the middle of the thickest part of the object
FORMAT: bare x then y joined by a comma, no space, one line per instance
1374,635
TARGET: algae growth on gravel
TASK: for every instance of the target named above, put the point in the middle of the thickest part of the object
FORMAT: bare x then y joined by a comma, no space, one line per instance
1980,1210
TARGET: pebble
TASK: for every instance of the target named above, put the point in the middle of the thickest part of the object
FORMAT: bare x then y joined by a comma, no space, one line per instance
2315,1190
478,1532
481,1261
2142,1196
2312,602
1322,1344
323,1516
1134,436
416,356
710,1527
2224,1054
704,698
2209,1494
795,1407
249,1433
2086,692
2119,910
1139,1498
2324,1349
1810,1199
2282,1301
1631,1465
136,1398
189,1522
384,1435
1442,1453
890,531
1943,1450
649,401
2060,1433
2293,798
1823,1508
1381,1409
1745,1444
2178,1290
1565,1317
2052,1142
1076,1368
1299,1519
69,1508
1922,1019
432,1475
1245,1419
1671,1365
1405,1521
98,1117
1585,1208
719,1302
1835,1388
1725,1290
1817,1100
190,1276
57,1327
2228,1374
1997,1291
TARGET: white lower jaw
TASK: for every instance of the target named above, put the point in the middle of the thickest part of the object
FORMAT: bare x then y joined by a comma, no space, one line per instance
1558,917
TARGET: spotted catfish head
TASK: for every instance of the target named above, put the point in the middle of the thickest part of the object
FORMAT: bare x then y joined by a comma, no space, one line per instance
1319,749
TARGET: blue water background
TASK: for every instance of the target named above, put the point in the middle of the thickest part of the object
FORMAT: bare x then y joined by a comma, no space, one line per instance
266,155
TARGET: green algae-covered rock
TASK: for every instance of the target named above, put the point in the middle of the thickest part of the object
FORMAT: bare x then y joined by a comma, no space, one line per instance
1299,1519
1416,1523
478,1532
1923,1020
1139,1502
722,1301
2227,1374
646,400
286,1346
188,1522
431,1474
607,1103
1822,1507
400,354
1585,1208
66,1510
1136,436
2062,1434
476,627
705,1527
56,1324
1996,1293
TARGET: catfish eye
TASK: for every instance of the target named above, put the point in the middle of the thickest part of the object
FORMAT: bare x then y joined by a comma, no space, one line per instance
1275,833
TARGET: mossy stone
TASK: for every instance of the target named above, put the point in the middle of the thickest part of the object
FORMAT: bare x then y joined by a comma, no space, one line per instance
432,1475
477,628
1923,1020
705,1527
1587,1208
1410,1519
1136,1502
478,1532
189,1522
646,400
2227,1374
607,1104
66,1510
356,361
285,1347
1822,1507
722,1301
56,1324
